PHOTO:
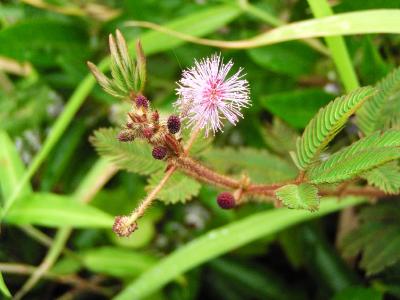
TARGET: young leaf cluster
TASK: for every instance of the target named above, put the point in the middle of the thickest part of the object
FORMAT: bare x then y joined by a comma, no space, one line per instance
126,76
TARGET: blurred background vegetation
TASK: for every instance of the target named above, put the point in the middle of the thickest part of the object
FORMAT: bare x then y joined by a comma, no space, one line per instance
49,106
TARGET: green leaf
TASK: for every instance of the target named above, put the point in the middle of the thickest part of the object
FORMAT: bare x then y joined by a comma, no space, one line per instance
375,257
303,196
262,166
291,58
11,167
3,288
373,66
363,155
373,115
385,177
179,187
222,240
279,137
53,210
41,39
296,107
327,123
377,238
358,293
25,107
116,261
133,157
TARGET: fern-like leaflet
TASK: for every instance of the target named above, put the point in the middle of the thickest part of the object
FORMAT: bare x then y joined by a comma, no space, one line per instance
385,177
374,114
303,196
326,124
361,156
134,157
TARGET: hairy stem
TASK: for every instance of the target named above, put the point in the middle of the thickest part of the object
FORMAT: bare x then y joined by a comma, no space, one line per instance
146,203
201,173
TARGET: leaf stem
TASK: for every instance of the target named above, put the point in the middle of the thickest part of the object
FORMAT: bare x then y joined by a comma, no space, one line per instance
146,203
201,173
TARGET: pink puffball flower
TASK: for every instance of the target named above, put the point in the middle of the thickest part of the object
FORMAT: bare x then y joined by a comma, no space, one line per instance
207,95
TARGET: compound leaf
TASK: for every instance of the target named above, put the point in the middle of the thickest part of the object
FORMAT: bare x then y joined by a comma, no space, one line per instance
326,124
179,188
131,156
361,156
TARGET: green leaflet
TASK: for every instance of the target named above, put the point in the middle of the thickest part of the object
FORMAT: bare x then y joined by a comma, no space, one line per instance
303,196
385,177
262,166
134,157
326,124
377,238
179,188
374,113
361,156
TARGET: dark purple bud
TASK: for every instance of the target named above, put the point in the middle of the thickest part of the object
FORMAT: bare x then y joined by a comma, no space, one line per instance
141,101
226,200
159,152
126,135
174,124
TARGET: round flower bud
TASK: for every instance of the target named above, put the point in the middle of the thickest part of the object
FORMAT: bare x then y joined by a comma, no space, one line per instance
155,117
122,227
126,135
226,200
159,152
174,124
141,101
148,132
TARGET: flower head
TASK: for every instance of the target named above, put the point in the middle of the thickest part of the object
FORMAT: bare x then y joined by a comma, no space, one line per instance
207,95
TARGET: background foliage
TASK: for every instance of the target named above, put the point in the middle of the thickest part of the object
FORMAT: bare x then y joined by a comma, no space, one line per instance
59,197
